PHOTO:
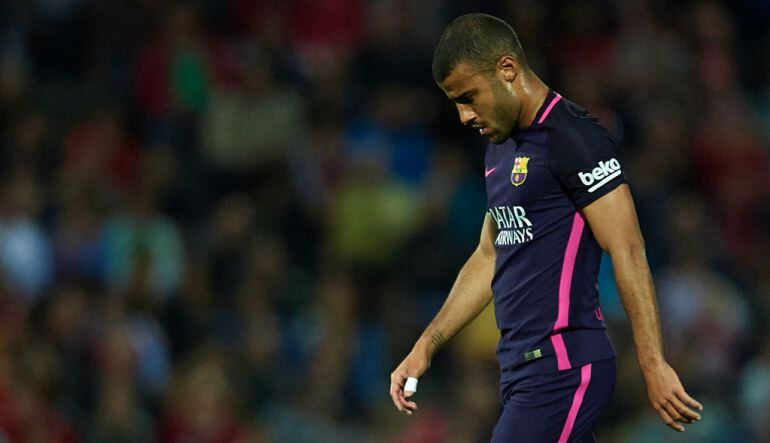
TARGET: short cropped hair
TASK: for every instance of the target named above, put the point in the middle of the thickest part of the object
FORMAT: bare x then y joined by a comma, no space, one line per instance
479,39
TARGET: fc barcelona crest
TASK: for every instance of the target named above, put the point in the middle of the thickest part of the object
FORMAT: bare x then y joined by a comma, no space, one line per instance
519,173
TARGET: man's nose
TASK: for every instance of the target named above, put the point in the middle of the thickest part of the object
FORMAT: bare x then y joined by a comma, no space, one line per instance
466,114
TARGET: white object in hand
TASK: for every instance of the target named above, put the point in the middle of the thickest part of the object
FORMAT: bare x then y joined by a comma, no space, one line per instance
410,385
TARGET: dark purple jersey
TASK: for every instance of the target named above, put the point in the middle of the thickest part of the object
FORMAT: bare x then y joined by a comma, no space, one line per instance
545,284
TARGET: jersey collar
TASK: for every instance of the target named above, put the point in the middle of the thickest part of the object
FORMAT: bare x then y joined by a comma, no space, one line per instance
542,115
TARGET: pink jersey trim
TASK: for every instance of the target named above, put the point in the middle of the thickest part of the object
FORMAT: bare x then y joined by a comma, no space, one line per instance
562,359
577,400
568,266
550,106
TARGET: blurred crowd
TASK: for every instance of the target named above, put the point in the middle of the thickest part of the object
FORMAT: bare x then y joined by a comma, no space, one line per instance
227,221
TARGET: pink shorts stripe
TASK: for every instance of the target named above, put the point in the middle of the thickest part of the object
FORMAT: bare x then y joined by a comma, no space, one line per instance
550,106
568,266
577,400
562,359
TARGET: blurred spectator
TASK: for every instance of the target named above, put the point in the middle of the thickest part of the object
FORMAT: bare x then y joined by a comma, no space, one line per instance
188,316
14,60
26,146
372,217
119,418
704,314
26,255
255,125
200,406
79,243
173,73
737,181
144,251
754,394
99,153
391,135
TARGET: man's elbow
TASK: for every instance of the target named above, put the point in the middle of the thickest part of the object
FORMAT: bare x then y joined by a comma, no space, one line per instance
486,252
633,248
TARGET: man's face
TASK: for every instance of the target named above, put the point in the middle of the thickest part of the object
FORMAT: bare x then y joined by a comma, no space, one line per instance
483,100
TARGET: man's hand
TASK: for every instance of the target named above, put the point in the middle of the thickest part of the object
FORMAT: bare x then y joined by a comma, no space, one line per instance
414,365
668,397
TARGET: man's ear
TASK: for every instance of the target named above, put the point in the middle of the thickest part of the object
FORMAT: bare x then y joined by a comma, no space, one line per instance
507,68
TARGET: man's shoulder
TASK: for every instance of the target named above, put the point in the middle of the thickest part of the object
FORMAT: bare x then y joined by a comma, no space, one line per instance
573,125
582,155
573,131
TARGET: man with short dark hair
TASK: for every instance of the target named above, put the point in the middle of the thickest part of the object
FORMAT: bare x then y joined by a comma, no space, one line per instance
548,219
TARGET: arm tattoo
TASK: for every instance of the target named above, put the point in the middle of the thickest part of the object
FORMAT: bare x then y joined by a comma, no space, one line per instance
438,339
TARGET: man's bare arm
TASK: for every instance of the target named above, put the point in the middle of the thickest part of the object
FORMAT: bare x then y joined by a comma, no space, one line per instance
469,295
614,223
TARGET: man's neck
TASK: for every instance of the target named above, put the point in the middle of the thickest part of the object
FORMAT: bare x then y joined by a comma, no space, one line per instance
533,93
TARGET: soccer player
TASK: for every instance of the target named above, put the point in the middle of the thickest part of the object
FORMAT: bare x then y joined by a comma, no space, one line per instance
556,197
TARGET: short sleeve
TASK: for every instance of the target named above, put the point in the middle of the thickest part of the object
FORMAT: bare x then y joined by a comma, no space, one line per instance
585,162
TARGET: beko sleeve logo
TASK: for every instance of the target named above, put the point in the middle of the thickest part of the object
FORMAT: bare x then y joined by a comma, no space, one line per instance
600,175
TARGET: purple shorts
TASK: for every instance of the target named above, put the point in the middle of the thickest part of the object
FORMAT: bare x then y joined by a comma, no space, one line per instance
561,407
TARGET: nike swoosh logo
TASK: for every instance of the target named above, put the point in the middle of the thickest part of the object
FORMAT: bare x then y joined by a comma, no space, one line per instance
489,171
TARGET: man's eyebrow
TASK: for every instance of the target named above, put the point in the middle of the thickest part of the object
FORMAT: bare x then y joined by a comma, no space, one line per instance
465,95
